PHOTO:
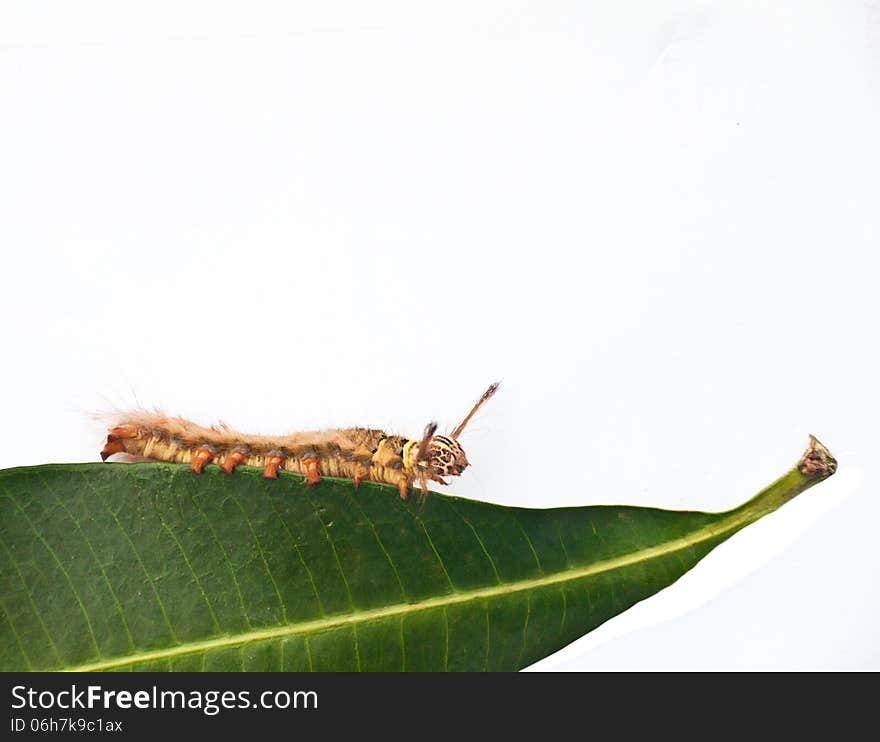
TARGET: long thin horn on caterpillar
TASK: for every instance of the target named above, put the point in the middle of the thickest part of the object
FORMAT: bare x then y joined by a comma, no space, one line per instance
480,402
430,429
426,472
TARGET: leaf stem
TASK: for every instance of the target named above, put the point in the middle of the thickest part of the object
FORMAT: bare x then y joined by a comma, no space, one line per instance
815,465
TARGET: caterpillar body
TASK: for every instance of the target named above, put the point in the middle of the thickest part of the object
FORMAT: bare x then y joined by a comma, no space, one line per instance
358,454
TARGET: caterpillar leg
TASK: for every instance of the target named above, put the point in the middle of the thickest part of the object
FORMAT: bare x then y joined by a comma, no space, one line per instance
272,464
360,476
233,459
311,467
201,457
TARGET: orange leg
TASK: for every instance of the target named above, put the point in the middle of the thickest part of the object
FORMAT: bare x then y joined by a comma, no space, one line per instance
362,473
403,486
423,483
201,457
233,459
272,464
311,467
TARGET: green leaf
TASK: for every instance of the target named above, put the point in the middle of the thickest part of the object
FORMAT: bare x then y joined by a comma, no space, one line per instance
150,567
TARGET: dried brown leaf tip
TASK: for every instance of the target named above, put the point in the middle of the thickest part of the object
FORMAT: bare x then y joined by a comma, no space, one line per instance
817,460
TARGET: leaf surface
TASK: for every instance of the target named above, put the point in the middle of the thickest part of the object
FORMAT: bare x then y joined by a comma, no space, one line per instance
150,567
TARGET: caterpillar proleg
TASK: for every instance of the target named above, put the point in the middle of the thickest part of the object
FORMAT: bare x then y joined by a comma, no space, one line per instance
358,454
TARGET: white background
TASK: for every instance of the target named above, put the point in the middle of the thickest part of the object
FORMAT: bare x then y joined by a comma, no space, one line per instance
655,222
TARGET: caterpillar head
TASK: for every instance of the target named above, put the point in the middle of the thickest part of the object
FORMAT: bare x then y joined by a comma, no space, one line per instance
446,457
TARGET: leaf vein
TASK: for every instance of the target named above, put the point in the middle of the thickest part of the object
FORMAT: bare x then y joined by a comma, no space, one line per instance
191,571
434,549
262,554
379,542
227,561
64,571
525,629
529,542
15,634
480,542
333,548
30,596
60,500
302,561
140,560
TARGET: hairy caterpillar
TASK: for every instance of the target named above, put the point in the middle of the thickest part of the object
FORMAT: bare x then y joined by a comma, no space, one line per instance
352,453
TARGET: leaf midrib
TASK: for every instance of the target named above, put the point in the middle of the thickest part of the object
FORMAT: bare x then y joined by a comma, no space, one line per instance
730,523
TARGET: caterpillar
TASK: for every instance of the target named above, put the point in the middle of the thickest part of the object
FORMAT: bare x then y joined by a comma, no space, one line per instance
358,454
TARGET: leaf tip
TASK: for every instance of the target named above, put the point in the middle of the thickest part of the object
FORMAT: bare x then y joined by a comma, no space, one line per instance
817,460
